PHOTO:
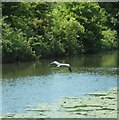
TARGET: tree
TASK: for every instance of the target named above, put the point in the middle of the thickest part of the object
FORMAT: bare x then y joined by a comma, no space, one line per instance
42,29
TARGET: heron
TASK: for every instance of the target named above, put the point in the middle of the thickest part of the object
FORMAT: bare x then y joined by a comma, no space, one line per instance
62,65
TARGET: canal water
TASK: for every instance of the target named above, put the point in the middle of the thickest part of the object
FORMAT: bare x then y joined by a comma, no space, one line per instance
30,83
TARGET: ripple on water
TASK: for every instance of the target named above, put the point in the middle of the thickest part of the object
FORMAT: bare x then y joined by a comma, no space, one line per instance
20,92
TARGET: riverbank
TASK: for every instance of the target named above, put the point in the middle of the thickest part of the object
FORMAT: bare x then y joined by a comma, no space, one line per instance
94,105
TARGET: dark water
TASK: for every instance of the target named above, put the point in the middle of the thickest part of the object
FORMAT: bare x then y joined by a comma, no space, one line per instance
31,83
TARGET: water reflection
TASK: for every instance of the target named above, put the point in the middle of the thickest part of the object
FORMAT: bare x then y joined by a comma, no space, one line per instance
79,63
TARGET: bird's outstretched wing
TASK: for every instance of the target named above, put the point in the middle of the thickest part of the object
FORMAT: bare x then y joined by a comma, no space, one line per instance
69,68
55,62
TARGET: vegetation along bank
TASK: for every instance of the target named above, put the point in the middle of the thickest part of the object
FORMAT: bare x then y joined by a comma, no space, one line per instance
32,30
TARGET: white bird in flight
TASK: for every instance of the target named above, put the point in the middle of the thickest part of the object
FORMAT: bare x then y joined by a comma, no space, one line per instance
62,65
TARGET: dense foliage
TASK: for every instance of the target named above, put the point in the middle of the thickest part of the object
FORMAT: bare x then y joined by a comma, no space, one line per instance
33,30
